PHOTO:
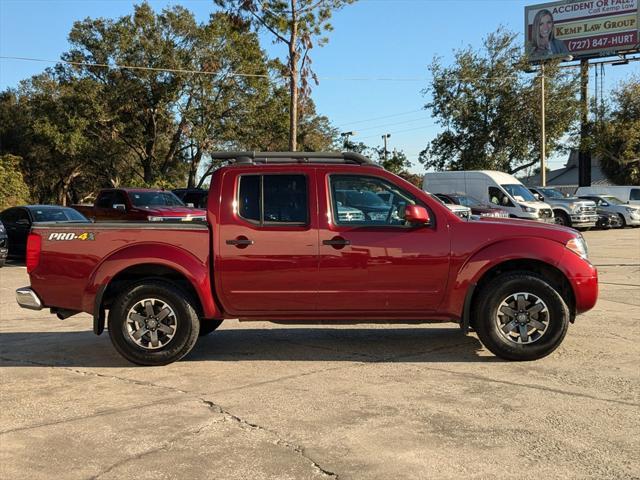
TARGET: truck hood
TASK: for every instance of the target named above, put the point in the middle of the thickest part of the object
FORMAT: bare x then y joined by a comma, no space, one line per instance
173,211
536,205
531,227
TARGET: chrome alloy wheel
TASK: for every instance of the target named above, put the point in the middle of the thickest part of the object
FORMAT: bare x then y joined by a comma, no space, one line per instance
522,318
151,323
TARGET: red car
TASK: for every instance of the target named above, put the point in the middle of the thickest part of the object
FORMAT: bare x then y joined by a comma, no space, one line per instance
139,204
278,246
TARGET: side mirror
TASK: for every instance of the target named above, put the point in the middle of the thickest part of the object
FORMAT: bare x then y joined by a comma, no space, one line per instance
417,214
604,204
120,206
539,197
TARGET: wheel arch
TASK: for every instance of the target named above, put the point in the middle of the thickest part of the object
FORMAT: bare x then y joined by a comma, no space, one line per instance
548,272
540,256
168,263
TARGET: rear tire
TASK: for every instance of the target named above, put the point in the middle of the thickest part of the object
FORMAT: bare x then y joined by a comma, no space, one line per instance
519,316
208,326
153,322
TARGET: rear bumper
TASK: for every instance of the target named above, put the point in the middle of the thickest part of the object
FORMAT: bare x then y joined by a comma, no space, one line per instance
27,298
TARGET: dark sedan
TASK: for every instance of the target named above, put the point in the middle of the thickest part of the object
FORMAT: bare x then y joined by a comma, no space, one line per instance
18,221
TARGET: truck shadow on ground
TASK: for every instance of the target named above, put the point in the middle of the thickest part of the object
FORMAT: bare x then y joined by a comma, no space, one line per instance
83,349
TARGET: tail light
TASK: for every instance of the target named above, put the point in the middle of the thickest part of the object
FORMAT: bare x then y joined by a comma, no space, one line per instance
34,245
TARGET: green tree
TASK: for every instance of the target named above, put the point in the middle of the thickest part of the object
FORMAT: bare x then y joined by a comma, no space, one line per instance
617,136
13,190
490,108
299,25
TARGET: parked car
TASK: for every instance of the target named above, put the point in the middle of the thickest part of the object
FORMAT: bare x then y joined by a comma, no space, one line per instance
19,220
278,250
628,215
477,207
608,220
627,193
192,197
568,211
460,210
141,205
4,245
488,186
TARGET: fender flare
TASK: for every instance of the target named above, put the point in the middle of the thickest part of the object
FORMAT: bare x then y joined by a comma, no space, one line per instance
175,258
465,280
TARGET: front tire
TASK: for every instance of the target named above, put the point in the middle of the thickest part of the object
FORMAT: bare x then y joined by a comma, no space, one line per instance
623,221
153,322
519,316
562,218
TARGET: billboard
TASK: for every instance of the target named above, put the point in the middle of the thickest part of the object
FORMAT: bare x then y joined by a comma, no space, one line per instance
581,28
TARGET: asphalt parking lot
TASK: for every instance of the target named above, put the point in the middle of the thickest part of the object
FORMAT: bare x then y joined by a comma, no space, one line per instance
258,400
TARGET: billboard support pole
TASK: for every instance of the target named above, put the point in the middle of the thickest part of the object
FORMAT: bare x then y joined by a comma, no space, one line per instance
543,136
584,155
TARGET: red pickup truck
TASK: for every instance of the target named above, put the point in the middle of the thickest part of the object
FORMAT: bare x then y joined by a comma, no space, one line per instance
284,243
139,204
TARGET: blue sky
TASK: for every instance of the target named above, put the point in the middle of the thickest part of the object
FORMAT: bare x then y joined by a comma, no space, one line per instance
372,71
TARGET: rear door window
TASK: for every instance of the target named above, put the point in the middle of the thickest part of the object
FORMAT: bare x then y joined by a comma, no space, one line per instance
274,199
105,200
635,194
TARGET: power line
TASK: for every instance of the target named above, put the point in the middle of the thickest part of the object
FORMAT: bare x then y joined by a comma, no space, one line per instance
380,118
134,67
237,74
398,131
393,124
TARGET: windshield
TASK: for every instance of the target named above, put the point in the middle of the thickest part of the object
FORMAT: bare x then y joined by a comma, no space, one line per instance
551,193
155,199
57,215
469,201
519,192
613,200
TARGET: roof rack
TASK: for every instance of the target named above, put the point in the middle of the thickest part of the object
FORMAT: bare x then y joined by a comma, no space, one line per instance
253,158
292,157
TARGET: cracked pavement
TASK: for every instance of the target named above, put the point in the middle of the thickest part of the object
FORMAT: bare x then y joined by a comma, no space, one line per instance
262,401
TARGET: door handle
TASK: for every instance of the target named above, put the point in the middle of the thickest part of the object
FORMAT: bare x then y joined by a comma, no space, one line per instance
240,242
337,242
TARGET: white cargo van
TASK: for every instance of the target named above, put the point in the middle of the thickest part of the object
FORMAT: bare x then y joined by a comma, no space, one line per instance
628,193
490,186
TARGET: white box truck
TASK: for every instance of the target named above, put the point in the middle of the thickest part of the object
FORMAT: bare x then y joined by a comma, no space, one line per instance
494,187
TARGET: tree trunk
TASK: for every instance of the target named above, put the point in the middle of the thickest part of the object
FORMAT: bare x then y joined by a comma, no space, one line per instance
293,80
193,168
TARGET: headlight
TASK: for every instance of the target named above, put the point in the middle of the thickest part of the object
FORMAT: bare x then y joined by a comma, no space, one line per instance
578,246
575,208
153,218
528,209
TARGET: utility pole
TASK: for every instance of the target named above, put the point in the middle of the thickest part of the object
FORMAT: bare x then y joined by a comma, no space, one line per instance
384,138
543,136
584,156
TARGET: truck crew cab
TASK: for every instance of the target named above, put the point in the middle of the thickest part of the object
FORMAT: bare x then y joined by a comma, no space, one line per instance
282,243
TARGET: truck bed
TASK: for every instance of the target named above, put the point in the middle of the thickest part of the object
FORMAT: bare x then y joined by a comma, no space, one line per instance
71,255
